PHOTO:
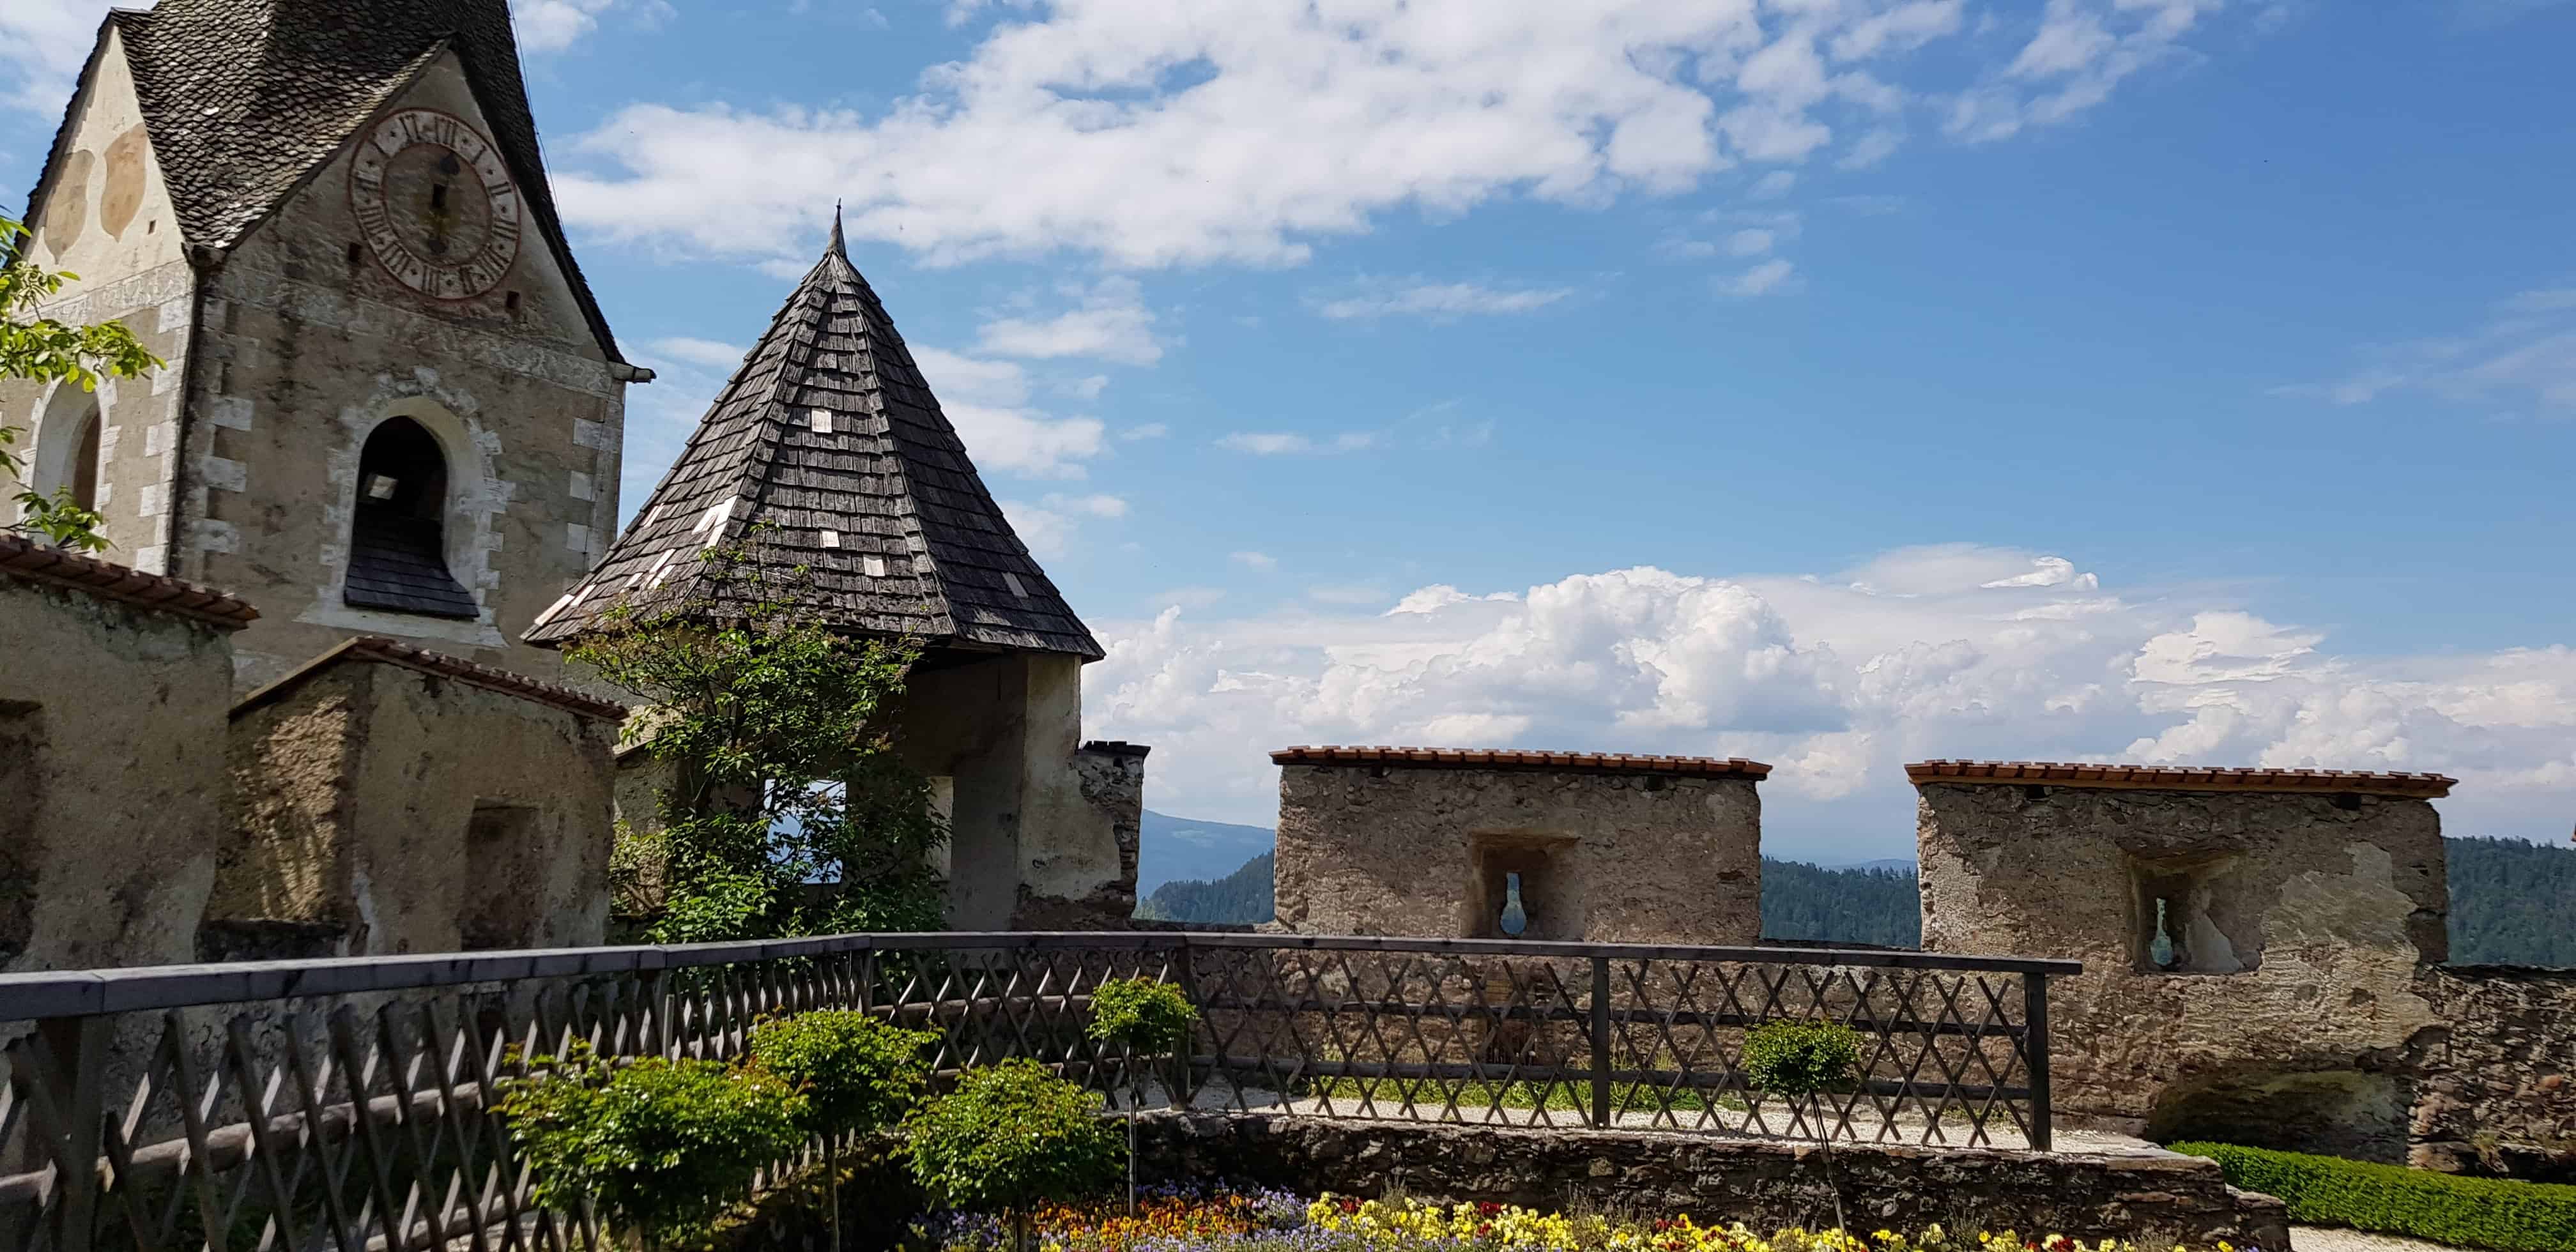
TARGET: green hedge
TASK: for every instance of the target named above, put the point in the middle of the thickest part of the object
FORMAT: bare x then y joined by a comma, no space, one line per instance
2497,1213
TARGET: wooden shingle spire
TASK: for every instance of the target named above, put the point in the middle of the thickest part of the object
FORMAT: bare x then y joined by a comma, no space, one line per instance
828,450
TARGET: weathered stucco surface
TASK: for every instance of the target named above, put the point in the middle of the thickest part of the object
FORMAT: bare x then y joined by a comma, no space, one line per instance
2304,918
111,778
2495,1088
396,811
1638,858
1040,838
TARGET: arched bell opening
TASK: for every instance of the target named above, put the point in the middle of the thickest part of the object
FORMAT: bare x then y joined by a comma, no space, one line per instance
398,530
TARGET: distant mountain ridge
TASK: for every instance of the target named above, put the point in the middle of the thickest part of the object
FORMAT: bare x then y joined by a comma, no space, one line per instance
1185,848
2512,902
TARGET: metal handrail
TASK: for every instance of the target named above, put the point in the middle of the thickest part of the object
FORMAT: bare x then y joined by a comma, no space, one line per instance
142,988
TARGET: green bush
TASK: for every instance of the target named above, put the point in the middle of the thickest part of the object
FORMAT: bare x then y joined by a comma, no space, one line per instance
1012,1137
2465,1212
857,1073
1141,1013
1800,1058
660,1145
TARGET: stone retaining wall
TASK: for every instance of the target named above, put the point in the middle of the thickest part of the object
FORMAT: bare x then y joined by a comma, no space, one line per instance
2154,1198
2495,1086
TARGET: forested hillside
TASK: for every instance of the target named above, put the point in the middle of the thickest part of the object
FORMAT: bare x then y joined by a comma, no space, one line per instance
1867,905
2512,902
1242,896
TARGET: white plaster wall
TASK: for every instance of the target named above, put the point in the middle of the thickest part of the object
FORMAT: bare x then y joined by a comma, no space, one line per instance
107,218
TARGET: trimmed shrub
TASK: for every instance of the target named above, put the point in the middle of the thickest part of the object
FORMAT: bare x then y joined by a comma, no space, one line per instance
1141,1013
661,1146
2497,1213
1012,1137
1801,1057
857,1073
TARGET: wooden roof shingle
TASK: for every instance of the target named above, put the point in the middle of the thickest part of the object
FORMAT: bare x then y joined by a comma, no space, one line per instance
829,440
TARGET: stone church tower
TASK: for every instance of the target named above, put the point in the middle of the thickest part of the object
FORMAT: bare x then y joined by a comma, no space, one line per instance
392,406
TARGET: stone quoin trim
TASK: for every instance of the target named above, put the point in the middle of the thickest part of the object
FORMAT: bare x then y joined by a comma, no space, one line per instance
21,557
386,651
1506,758
2181,778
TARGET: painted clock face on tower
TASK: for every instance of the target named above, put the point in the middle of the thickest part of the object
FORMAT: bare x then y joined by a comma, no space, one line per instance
435,204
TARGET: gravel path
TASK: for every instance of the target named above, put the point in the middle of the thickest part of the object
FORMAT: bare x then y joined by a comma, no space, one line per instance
2329,1239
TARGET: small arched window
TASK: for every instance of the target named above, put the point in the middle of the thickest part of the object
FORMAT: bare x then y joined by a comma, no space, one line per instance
67,448
85,465
398,537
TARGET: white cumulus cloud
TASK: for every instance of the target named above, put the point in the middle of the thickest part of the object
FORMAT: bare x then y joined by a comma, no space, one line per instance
1439,301
1839,680
1110,323
1247,130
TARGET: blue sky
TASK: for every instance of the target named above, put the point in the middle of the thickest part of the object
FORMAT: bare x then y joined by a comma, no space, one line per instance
1837,383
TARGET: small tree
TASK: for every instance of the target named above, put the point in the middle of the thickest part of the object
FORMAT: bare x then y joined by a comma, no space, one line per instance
1800,1061
658,1146
1012,1137
857,1074
44,350
785,775
1140,1015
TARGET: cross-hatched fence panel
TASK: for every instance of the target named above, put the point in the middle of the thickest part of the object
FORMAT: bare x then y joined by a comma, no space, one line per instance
346,1105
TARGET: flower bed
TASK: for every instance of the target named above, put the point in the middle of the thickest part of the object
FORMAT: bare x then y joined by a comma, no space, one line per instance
1171,1220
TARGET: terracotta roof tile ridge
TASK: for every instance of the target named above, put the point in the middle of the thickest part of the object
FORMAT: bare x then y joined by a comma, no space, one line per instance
36,562
2181,777
1518,758
382,650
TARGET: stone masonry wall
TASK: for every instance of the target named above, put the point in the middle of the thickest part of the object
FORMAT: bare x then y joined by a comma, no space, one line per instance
386,811
2495,1085
302,354
2153,1198
2304,918
1637,857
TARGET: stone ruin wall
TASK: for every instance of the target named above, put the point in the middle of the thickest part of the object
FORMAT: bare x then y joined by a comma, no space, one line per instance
2495,1084
2305,1003
1609,849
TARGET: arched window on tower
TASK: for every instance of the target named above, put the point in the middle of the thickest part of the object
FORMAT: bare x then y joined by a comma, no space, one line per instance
85,465
67,449
398,538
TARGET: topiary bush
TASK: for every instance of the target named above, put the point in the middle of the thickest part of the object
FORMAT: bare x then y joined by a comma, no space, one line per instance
1010,1138
658,1146
1802,1059
1141,1015
857,1073
2497,1213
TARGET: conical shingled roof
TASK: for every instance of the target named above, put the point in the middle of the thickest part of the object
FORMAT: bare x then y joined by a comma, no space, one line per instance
830,440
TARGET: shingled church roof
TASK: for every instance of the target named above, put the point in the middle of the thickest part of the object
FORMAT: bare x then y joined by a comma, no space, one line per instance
244,98
829,440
